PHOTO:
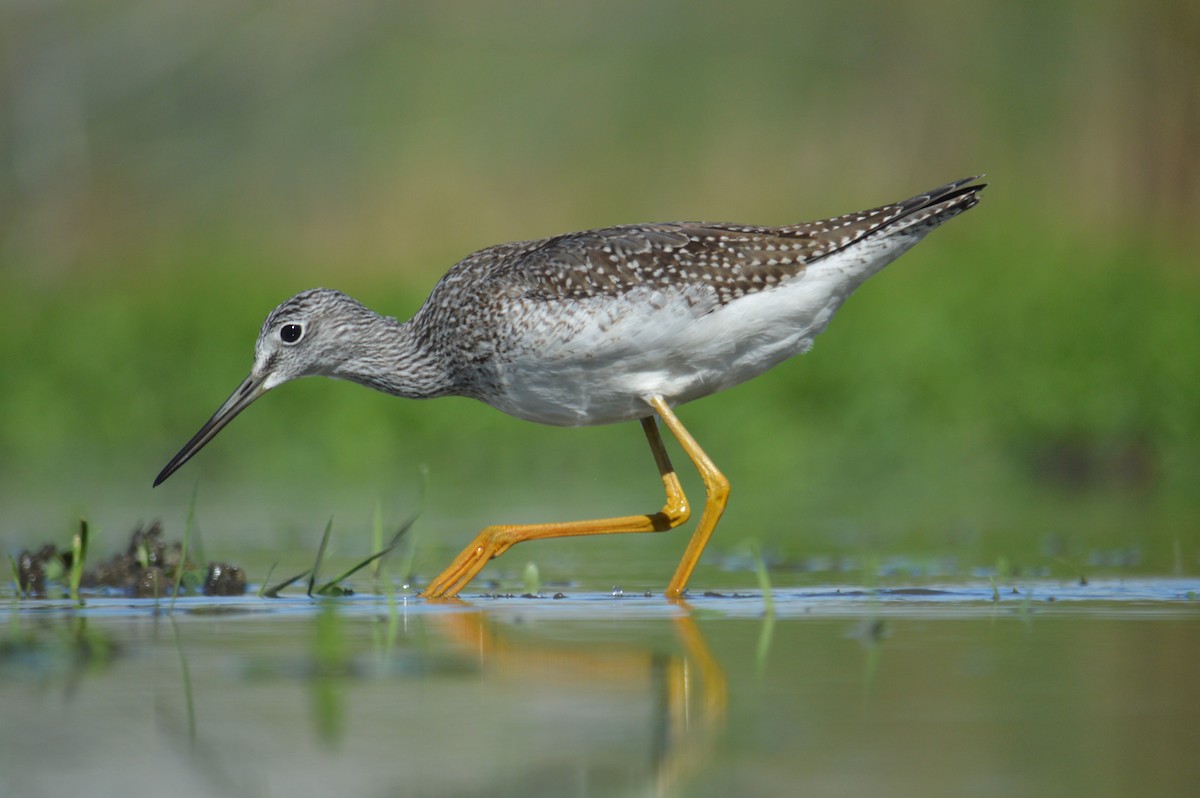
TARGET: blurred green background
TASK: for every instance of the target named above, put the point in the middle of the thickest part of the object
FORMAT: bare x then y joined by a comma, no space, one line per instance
1024,385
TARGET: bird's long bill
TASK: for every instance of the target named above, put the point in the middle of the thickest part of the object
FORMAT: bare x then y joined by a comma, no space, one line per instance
247,392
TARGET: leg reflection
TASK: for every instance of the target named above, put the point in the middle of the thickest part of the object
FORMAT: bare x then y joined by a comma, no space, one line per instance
686,681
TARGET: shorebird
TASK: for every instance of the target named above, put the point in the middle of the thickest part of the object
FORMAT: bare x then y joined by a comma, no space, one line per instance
618,324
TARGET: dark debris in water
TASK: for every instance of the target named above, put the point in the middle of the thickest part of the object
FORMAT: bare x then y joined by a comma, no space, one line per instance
147,568
224,579
34,567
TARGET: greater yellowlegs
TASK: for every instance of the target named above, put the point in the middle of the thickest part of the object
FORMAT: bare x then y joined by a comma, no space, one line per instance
596,327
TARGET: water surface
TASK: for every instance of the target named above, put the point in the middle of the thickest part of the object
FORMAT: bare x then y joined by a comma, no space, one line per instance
1055,689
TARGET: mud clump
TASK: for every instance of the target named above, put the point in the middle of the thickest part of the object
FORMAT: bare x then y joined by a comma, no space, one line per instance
224,579
34,567
147,568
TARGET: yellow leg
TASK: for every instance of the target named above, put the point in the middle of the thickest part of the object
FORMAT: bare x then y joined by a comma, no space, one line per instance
716,488
495,540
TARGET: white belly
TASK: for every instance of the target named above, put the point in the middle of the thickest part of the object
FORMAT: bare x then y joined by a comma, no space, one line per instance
614,352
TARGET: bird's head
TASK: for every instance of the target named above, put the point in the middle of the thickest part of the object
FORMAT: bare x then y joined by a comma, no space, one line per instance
305,335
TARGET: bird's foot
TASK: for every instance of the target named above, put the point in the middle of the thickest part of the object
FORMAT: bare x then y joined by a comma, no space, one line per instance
470,561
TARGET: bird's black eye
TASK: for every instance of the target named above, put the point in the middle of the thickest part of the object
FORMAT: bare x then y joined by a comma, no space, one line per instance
290,333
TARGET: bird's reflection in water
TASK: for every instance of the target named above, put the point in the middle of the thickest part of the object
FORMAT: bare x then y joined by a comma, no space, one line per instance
681,683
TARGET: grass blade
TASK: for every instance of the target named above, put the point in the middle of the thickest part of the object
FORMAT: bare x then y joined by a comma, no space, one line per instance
331,658
333,585
312,574
273,592
764,579
186,677
767,632
262,588
79,547
377,538
188,526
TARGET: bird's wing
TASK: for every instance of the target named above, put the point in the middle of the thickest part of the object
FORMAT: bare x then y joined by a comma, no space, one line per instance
730,260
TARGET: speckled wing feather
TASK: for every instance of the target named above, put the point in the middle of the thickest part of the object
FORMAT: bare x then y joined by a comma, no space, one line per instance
732,259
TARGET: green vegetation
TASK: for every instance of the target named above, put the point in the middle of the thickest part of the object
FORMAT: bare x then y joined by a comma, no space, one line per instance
331,666
188,529
1023,385
79,547
185,673
335,586
531,579
762,653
